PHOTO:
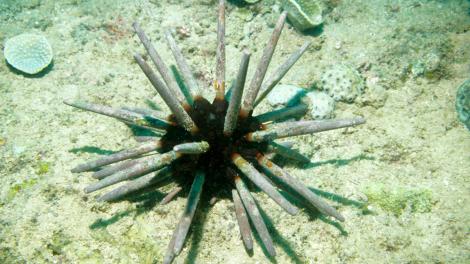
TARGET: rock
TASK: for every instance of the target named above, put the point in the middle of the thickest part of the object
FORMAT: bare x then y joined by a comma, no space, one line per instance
29,53
417,69
18,150
432,62
376,96
462,103
283,94
342,82
303,14
320,104
426,66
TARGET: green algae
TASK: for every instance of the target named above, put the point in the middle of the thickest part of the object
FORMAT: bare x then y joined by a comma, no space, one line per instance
9,255
43,167
58,241
396,200
85,255
133,244
16,188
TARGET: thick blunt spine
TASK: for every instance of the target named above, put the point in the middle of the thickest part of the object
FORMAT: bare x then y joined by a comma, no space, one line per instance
145,166
233,110
219,83
183,66
283,113
192,147
142,139
145,111
125,116
120,156
193,199
299,187
171,195
274,79
259,180
255,215
161,67
137,184
263,64
290,129
111,169
183,118
286,152
242,219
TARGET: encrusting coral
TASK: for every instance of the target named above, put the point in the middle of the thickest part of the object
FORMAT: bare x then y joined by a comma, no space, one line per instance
212,146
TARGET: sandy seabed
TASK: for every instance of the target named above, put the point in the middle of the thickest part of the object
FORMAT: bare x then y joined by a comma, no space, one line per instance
401,180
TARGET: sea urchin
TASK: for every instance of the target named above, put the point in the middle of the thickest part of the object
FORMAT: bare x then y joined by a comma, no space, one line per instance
214,146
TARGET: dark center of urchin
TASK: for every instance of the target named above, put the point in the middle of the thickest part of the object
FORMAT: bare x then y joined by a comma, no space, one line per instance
209,118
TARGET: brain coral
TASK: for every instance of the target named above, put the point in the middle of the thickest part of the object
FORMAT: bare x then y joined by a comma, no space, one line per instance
29,53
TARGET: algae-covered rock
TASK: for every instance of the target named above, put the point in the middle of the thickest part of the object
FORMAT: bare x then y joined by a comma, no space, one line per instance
29,53
462,103
396,200
303,14
342,82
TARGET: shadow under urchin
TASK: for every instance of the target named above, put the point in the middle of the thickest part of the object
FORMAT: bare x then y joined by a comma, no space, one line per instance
218,146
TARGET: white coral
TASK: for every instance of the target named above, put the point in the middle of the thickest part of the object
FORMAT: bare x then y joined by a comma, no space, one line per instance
283,94
29,53
321,105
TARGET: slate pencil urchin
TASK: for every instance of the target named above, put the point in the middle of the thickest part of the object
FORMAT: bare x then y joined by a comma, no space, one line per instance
211,146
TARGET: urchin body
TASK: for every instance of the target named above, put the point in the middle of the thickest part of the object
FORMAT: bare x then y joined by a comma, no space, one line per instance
209,118
211,146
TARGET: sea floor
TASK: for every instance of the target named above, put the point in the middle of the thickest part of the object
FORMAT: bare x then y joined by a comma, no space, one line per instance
401,180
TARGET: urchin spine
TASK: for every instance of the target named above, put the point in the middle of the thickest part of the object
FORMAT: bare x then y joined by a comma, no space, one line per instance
256,81
233,110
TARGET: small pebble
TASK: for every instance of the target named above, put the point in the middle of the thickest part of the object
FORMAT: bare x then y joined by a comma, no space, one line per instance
320,104
338,45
